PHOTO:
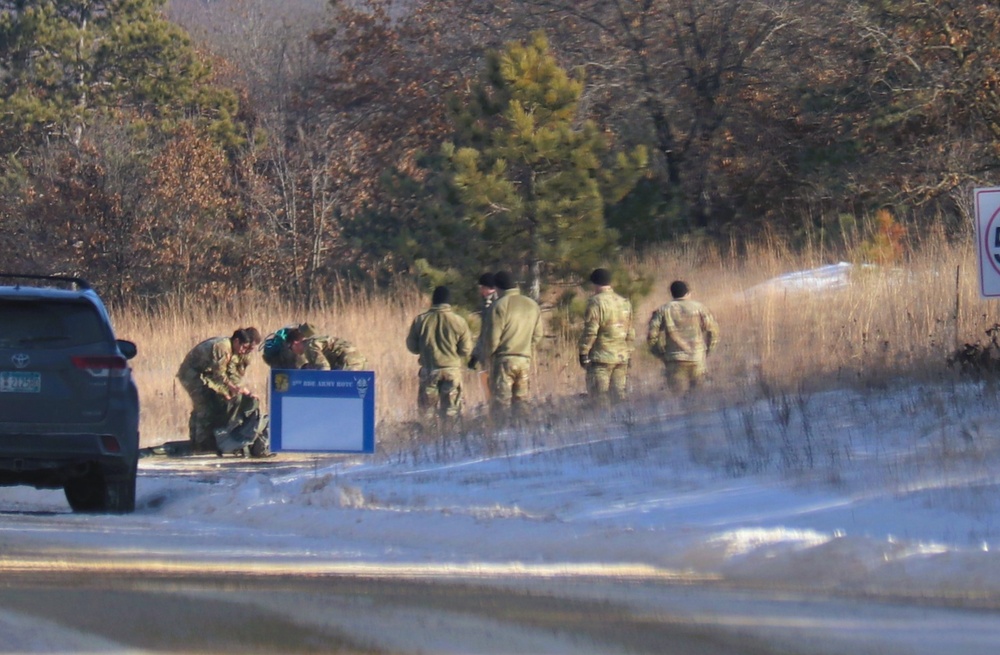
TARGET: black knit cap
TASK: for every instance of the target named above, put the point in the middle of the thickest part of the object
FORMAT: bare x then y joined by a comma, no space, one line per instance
601,277
504,280
678,289
488,280
442,296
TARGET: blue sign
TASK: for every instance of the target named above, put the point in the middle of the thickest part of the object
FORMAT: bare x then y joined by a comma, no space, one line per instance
323,411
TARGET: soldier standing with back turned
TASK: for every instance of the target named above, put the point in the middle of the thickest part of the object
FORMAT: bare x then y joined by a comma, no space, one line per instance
682,333
488,295
514,333
443,342
607,340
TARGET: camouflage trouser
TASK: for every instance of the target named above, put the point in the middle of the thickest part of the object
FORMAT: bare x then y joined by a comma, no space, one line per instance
607,381
683,376
440,392
510,382
209,411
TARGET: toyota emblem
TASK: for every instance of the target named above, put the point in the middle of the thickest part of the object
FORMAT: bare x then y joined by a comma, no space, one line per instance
20,360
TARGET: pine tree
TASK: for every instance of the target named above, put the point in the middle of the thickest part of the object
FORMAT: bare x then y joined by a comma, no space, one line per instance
533,178
101,101
63,61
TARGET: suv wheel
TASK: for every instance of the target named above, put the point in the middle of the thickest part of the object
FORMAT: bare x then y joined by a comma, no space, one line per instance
93,492
121,495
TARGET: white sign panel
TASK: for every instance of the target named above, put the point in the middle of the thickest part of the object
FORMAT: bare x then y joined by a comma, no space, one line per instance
322,424
988,241
323,411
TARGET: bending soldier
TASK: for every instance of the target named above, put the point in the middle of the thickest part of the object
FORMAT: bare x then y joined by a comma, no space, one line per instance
332,354
240,362
207,375
299,347
285,348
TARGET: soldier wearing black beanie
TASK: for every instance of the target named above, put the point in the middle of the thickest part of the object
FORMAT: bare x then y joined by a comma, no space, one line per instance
504,281
488,294
441,296
601,277
515,330
682,333
442,341
607,340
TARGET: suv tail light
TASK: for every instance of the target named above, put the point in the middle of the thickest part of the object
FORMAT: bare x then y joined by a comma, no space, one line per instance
111,444
102,366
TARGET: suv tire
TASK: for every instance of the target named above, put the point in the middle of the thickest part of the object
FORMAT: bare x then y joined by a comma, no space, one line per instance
95,493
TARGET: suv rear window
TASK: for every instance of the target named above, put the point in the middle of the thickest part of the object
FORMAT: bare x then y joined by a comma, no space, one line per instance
49,324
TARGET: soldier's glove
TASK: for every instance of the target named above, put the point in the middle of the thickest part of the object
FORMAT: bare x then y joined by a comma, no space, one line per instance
584,360
472,363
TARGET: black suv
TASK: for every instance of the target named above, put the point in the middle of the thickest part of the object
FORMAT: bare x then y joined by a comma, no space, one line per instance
69,408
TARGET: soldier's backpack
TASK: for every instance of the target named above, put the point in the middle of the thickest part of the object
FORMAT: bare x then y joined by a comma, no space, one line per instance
247,433
273,345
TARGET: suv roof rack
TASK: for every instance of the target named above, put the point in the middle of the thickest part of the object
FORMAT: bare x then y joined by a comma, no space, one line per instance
79,282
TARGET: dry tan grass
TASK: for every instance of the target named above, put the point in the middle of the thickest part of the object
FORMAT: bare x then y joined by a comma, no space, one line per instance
377,326
889,321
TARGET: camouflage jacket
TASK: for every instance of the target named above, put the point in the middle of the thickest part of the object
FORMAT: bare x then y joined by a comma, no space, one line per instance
208,365
682,331
515,326
331,353
608,335
441,338
238,365
479,351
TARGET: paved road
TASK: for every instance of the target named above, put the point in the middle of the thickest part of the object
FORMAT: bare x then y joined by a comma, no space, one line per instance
70,598
192,613
62,590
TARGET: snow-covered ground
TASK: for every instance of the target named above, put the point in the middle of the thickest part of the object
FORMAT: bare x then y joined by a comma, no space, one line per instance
888,496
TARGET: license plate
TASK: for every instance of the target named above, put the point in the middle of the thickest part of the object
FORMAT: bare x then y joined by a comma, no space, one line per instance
20,382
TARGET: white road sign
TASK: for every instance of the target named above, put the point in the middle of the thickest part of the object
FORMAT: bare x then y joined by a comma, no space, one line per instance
988,241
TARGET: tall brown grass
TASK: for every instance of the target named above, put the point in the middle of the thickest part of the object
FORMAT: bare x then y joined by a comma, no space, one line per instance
889,321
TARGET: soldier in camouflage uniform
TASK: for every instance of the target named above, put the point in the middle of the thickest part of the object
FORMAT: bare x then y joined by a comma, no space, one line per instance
292,352
514,333
682,333
284,348
442,340
206,374
303,348
239,363
488,293
607,340
332,354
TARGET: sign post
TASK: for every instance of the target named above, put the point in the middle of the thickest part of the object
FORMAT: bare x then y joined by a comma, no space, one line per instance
988,241
322,411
